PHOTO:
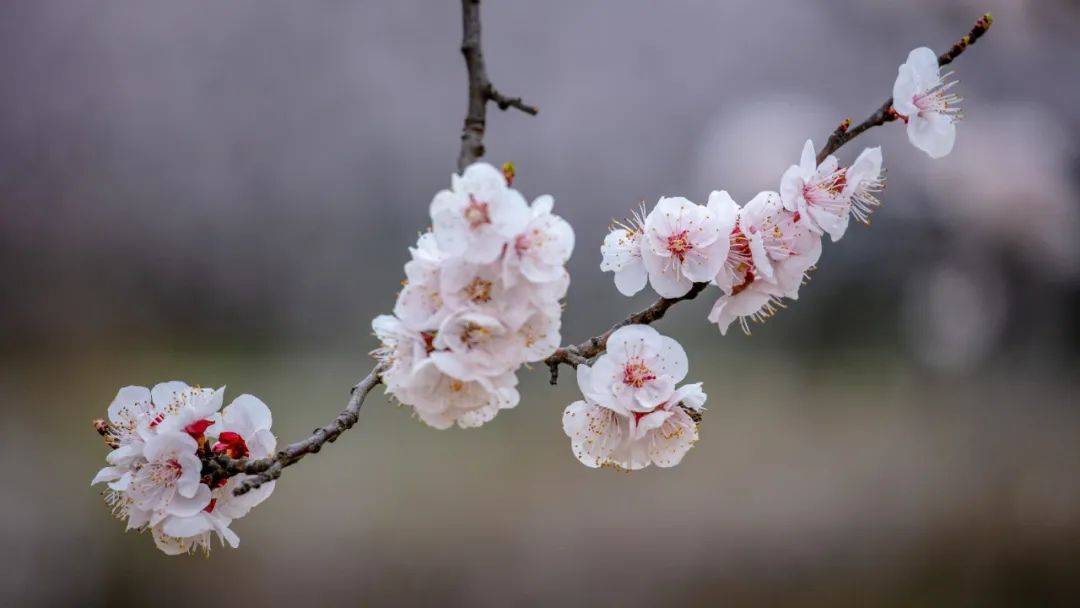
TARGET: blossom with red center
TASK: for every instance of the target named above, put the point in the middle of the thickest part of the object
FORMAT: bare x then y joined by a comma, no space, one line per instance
638,371
231,444
683,244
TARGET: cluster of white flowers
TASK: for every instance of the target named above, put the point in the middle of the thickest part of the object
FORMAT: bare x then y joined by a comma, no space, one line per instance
481,298
633,414
757,254
155,476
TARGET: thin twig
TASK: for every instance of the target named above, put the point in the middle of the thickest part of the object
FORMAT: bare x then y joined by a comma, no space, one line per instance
481,91
580,353
845,132
263,470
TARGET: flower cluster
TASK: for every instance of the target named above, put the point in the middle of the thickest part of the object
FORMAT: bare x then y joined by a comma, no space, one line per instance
481,298
159,438
757,254
633,414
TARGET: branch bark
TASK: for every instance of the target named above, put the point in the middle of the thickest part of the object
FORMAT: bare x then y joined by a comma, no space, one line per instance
481,91
263,470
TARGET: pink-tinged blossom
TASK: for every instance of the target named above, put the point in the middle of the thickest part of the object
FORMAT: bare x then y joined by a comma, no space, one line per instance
540,252
827,195
638,372
478,215
683,244
782,246
420,303
923,97
441,400
772,249
601,436
168,483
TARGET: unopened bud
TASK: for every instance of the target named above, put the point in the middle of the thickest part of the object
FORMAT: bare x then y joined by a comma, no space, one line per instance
508,173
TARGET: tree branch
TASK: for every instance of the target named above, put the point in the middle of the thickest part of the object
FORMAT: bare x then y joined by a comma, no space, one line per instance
845,133
481,91
580,353
263,470
217,467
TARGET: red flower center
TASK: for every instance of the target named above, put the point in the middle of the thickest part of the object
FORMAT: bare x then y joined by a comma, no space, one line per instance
636,374
679,244
232,444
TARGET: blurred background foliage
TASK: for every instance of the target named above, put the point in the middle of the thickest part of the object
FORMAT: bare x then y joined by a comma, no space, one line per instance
224,193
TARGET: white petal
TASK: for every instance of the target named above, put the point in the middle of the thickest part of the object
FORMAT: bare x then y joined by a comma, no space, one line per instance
631,278
108,474
166,392
186,526
185,507
128,399
664,277
808,159
904,90
246,415
932,133
924,66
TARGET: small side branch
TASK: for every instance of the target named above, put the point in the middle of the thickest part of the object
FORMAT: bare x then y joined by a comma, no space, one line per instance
481,91
576,354
845,132
265,470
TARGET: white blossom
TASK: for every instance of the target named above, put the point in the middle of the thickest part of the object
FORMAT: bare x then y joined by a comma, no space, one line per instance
921,95
155,474
638,372
772,249
827,195
540,252
603,433
683,244
478,215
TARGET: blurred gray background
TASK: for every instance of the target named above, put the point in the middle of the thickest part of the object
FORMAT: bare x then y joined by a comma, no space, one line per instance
223,192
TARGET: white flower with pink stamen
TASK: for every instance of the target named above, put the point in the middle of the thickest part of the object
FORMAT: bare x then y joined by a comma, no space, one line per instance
603,436
782,245
638,372
922,96
478,215
827,195
540,252
683,244
776,249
